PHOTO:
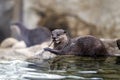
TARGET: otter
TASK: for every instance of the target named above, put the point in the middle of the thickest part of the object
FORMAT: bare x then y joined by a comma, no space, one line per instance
2,36
118,43
30,37
82,46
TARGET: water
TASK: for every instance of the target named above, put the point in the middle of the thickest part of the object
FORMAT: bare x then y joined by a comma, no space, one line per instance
61,68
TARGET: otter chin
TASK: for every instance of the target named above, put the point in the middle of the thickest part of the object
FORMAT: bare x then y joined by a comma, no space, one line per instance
57,41
81,46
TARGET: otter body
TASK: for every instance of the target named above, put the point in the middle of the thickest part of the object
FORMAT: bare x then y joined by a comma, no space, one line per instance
31,37
81,46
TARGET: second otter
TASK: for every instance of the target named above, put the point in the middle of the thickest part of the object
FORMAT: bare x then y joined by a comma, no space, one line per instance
82,46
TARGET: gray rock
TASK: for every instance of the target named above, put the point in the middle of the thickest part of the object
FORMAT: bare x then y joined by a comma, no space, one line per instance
32,54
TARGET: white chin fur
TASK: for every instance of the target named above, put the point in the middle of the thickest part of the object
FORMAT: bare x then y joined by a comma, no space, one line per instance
57,41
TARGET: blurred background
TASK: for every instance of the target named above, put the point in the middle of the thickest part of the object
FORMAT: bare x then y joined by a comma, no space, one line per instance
100,18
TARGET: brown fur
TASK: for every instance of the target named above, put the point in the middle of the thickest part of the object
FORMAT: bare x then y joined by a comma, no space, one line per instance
81,46
118,43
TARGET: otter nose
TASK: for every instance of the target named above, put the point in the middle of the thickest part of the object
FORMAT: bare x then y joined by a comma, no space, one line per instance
53,38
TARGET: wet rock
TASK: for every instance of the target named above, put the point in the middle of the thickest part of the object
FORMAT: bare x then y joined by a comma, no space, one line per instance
12,43
38,55
82,15
32,54
8,43
20,44
111,46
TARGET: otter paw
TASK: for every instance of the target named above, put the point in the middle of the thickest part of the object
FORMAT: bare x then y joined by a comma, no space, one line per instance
47,49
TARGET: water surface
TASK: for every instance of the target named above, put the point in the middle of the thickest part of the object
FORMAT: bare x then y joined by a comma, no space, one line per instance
61,68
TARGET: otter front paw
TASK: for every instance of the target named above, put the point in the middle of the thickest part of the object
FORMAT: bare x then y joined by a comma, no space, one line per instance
47,49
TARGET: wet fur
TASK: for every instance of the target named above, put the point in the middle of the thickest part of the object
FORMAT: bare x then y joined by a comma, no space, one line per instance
31,37
81,46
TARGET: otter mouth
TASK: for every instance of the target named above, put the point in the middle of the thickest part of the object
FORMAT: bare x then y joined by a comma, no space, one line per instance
56,41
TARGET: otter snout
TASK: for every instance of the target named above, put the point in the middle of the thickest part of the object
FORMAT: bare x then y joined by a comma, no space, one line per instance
54,38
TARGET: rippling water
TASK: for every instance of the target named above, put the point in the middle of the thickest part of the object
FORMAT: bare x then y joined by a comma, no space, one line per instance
61,68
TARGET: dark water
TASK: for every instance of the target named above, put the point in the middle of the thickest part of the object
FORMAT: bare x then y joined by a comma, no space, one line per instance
61,68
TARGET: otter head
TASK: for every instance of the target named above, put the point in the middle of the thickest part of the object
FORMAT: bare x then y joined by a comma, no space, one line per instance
19,31
59,36
15,31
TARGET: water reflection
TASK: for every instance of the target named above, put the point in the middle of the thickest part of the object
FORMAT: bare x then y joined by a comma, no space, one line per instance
87,67
61,68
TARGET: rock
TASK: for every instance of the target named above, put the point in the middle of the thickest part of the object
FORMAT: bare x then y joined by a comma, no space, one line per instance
8,43
20,44
12,43
111,46
33,53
